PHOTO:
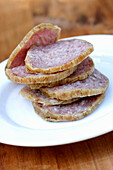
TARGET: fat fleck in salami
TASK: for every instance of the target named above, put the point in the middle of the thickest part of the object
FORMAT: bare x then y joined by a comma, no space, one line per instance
70,112
37,96
83,70
57,56
95,84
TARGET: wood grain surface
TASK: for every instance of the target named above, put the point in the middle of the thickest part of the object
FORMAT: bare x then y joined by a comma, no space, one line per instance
92,154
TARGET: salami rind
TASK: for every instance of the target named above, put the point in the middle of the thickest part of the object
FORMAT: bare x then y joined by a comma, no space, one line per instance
40,35
20,75
84,70
70,112
95,84
37,96
58,56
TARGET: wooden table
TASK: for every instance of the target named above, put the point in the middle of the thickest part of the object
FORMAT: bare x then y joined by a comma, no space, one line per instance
93,154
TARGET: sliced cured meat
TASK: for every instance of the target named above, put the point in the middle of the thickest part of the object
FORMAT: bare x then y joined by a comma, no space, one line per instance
57,56
70,112
95,84
40,35
20,75
83,70
37,96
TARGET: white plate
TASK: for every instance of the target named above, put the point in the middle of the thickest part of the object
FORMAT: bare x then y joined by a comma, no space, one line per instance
20,125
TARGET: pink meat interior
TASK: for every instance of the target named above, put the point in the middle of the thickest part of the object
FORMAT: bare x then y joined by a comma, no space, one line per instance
83,67
94,81
56,54
40,38
21,72
77,107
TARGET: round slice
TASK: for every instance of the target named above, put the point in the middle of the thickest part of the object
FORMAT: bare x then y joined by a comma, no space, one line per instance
20,75
40,35
58,56
37,96
84,70
70,112
95,84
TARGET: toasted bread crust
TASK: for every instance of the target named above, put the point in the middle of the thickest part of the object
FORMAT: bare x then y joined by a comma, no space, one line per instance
53,117
69,79
25,40
37,96
65,66
39,79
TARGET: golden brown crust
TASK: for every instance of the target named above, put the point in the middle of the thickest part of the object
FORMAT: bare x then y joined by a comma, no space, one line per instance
39,79
69,79
53,117
37,96
22,44
75,93
65,66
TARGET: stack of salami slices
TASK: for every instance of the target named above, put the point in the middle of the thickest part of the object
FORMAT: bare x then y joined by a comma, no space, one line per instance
60,77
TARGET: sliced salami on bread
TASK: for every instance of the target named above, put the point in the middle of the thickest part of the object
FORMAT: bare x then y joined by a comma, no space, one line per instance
84,70
37,96
69,112
20,75
95,84
40,35
58,56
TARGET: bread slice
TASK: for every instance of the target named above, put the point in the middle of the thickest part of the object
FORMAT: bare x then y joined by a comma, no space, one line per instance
58,56
70,112
84,70
37,96
20,75
95,84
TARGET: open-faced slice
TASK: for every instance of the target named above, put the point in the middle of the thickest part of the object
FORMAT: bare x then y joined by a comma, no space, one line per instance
70,112
95,84
57,56
83,70
20,75
40,35
37,96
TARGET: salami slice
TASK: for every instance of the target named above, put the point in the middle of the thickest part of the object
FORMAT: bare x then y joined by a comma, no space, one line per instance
57,56
37,96
40,35
84,70
20,75
95,84
70,112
